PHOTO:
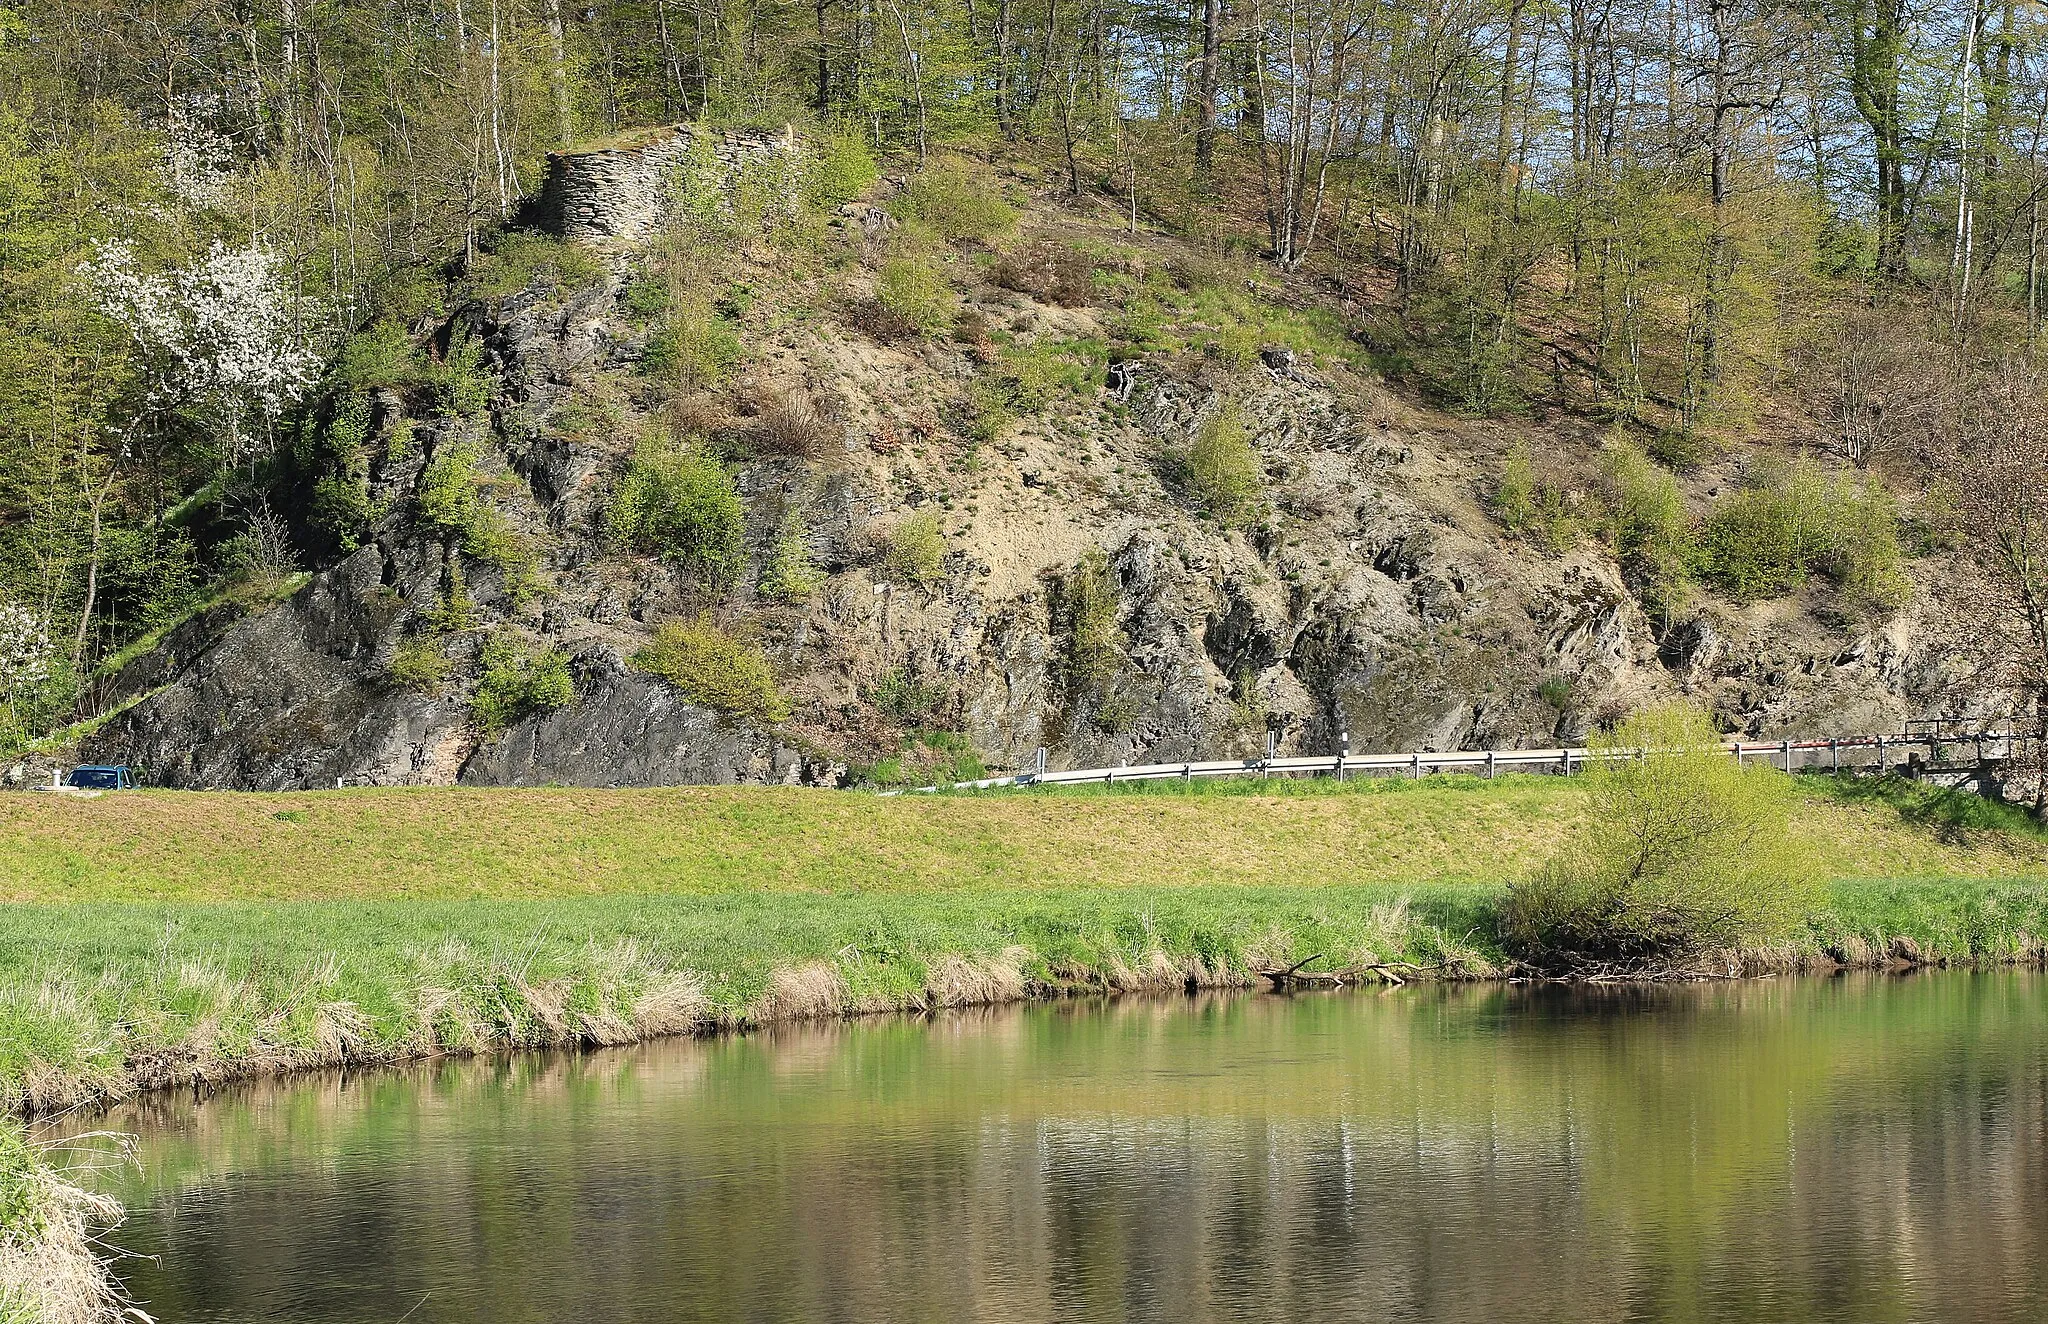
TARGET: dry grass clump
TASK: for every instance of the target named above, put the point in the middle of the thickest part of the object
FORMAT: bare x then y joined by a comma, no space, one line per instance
1048,271
51,1271
789,422
959,981
804,992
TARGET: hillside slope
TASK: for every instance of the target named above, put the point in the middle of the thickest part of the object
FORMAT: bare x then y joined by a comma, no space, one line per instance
958,544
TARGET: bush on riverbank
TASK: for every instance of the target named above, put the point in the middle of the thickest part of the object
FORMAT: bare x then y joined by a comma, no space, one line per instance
1684,851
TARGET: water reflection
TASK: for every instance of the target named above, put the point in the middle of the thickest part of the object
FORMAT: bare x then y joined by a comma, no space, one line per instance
1853,1149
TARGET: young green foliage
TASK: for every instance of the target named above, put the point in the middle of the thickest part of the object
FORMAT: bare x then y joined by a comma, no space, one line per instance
714,669
915,550
1223,472
681,506
1685,851
515,683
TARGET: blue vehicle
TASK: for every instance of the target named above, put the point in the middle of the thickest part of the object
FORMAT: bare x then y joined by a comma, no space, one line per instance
102,777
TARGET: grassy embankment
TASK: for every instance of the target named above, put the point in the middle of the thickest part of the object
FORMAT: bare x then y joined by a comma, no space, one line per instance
156,938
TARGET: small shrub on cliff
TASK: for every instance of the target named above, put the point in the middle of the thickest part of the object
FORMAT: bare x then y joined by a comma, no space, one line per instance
1683,851
790,576
696,351
521,260
915,552
446,496
683,507
1222,471
714,670
1789,522
462,382
420,665
914,292
515,683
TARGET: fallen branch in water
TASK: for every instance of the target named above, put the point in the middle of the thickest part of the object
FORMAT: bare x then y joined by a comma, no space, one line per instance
1297,976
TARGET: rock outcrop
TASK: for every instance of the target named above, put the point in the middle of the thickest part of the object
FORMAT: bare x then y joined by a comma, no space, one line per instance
1376,598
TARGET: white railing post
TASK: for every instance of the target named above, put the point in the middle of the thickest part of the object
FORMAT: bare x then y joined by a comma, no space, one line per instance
1785,748
1489,765
1415,766
1834,755
1884,767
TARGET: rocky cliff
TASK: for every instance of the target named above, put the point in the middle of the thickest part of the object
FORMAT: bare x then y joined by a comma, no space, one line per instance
1082,601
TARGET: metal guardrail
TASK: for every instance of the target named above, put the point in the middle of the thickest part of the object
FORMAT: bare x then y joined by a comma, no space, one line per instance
1791,755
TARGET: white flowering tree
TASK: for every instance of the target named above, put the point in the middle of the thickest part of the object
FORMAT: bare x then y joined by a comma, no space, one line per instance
215,338
199,160
25,658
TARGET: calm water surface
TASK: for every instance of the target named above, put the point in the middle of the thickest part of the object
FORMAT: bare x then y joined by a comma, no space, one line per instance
1860,1149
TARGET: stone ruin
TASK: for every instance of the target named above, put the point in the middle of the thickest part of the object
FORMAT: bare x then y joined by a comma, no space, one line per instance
622,187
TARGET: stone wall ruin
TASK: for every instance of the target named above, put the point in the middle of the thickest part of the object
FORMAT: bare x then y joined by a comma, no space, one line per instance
622,188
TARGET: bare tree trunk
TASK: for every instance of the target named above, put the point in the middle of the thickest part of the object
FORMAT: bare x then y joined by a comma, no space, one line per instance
1504,135
824,71
558,72
1206,75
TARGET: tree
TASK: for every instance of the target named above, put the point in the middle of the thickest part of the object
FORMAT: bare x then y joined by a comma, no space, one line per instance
1683,851
1998,614
218,337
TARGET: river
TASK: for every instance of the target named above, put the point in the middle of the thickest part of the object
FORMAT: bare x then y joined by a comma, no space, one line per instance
1861,1148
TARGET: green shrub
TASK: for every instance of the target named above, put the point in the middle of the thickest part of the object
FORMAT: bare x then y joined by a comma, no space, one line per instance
915,292
446,498
1528,506
514,683
340,505
904,699
455,613
915,552
1863,555
379,355
1514,493
490,537
681,506
840,170
790,575
646,298
1556,691
420,665
714,670
1085,607
461,382
1765,539
1223,472
1647,522
696,351
957,203
519,260
1684,851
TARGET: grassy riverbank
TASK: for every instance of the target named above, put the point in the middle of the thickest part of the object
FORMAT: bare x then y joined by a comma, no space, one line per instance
159,938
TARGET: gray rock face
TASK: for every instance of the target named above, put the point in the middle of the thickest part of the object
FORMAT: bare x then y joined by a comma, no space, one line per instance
627,729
